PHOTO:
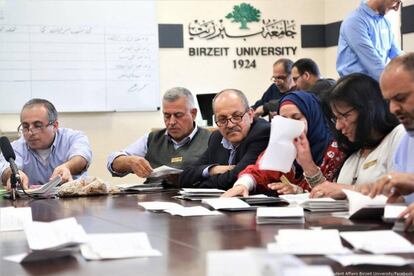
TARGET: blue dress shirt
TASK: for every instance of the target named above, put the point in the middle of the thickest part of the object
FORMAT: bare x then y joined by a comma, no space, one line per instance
366,43
404,159
67,144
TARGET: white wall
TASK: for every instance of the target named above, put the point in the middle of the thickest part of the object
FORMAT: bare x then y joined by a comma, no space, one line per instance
113,131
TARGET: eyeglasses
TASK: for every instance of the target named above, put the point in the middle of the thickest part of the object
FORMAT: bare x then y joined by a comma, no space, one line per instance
341,116
278,78
37,127
235,119
295,79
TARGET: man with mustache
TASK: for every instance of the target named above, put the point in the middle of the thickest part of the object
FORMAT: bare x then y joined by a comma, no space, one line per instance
397,86
46,150
178,145
366,41
237,143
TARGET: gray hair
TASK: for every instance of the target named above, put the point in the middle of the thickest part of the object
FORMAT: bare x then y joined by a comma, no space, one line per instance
287,64
51,110
172,94
239,93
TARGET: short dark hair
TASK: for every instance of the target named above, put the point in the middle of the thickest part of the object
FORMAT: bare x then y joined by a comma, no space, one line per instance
375,121
287,64
307,65
51,110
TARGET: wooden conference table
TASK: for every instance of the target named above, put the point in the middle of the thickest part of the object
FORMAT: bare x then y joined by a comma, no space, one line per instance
184,242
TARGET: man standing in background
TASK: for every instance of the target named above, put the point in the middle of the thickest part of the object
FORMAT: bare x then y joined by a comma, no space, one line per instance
366,41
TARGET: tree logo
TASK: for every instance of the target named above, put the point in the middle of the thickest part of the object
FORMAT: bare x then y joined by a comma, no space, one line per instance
243,14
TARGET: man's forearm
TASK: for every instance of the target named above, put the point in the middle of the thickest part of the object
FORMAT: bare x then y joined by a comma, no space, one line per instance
76,164
6,176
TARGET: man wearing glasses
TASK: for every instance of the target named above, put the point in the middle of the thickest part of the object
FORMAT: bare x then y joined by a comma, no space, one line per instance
44,150
178,145
235,145
307,77
282,83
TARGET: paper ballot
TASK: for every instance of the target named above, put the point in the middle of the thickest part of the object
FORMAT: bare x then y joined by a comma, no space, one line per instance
281,151
362,206
13,219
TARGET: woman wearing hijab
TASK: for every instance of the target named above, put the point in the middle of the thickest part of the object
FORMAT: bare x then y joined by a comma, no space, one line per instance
318,153
365,129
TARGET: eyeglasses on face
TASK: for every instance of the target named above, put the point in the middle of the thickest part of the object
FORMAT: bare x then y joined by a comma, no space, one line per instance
278,78
235,119
37,127
341,117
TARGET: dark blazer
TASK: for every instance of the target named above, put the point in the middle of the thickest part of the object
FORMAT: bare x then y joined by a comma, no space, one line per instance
246,153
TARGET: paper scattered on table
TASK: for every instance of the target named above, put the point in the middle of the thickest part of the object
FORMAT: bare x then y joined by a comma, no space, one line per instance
164,170
280,215
13,219
378,242
366,259
192,211
159,205
223,203
49,240
252,262
281,152
361,206
309,270
307,242
54,235
117,245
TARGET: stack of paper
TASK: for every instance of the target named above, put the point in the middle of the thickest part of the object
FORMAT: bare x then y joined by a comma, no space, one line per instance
116,246
295,198
280,215
192,211
365,207
307,242
378,242
51,239
392,212
199,194
325,205
228,203
365,259
13,219
47,190
140,188
164,170
264,200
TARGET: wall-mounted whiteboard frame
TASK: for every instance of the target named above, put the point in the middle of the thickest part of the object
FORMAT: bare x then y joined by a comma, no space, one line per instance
83,56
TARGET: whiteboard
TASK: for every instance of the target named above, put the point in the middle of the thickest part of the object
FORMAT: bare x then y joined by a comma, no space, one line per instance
80,55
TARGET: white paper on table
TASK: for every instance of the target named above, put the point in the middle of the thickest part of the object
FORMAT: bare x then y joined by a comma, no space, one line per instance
55,234
311,270
378,242
225,203
280,212
201,191
392,212
159,205
13,219
192,211
252,262
164,170
295,198
118,245
281,152
308,242
368,259
358,201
